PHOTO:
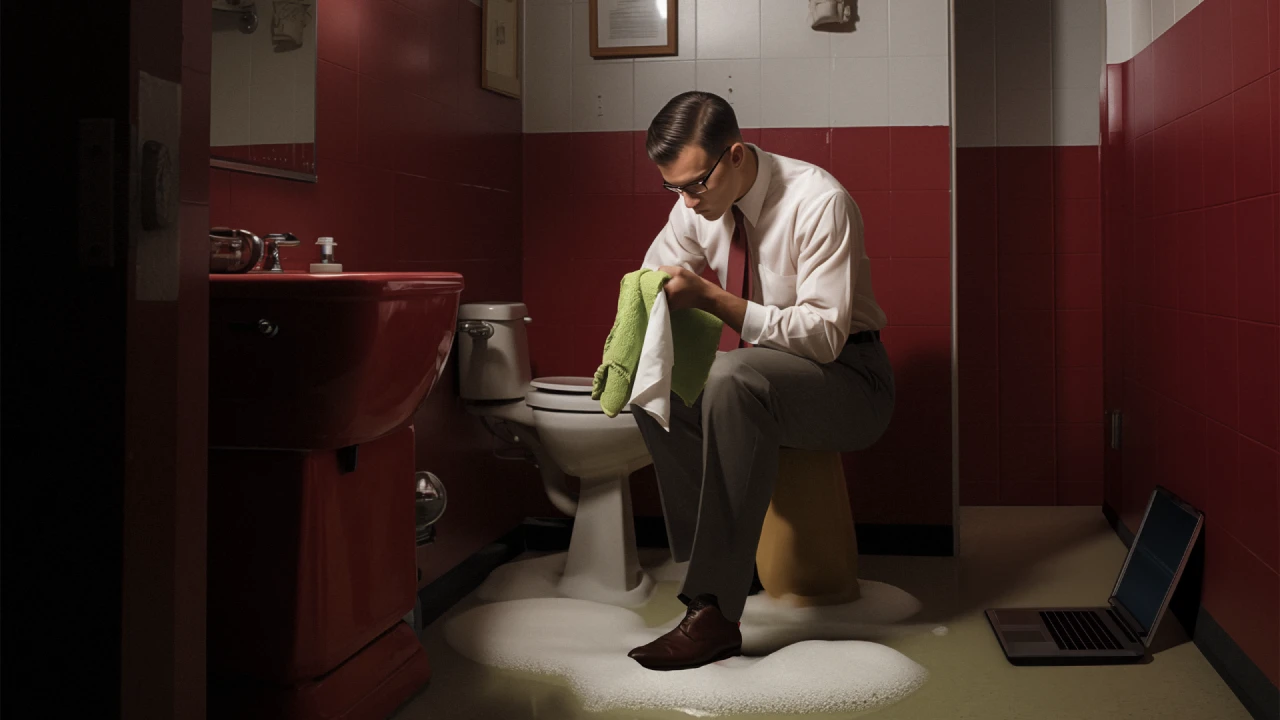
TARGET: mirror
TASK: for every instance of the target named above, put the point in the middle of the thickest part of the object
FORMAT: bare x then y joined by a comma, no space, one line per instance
262,100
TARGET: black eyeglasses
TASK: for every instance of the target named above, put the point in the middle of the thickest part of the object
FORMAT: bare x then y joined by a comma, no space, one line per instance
698,186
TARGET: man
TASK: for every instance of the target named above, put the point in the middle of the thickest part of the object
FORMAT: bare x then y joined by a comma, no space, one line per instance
786,241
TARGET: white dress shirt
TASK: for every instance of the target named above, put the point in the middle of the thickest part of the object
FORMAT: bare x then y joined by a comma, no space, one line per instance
812,276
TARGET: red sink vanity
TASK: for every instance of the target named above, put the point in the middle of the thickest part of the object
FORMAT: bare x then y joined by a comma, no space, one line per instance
313,382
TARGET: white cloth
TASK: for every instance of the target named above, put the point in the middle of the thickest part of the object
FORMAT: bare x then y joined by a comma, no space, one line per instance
829,12
651,389
813,285
288,19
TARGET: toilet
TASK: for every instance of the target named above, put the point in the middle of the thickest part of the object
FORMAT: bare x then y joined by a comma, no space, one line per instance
566,432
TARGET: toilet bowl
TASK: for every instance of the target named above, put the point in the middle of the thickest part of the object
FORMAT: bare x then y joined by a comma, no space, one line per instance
566,432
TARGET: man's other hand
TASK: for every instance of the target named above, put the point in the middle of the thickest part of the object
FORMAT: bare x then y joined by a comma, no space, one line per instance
685,289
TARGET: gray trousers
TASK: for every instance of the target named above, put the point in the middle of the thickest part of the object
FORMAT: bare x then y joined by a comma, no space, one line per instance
716,467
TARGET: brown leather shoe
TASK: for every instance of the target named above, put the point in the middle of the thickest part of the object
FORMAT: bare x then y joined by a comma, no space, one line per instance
704,636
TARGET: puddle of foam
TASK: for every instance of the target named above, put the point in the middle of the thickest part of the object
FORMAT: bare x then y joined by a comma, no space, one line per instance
587,643
814,659
538,577
769,624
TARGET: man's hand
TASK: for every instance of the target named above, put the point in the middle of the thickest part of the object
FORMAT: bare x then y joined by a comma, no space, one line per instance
687,290
684,289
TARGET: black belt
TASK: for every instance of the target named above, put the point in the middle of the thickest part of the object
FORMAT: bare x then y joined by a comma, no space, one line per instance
865,336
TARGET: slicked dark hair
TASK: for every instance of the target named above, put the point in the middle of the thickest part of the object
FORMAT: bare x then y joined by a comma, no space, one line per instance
691,118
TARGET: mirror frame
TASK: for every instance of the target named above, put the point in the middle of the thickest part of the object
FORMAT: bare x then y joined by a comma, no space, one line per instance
250,168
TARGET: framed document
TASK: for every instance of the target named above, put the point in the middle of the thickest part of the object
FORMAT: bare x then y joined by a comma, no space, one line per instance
633,28
500,66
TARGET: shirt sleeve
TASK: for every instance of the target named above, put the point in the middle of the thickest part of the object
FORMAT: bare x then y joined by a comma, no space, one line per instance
676,244
817,326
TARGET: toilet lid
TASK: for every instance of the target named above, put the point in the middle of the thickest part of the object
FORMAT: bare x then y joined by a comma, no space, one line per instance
563,383
564,394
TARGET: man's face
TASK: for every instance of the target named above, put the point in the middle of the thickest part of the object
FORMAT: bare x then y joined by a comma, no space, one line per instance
692,166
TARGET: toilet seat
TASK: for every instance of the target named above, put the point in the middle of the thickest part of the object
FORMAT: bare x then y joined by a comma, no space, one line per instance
564,394
563,383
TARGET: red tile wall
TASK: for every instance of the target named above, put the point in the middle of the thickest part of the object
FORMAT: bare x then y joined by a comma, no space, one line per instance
1029,271
419,169
580,238
1192,264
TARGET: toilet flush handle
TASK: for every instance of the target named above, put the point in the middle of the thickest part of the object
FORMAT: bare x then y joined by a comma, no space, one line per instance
476,328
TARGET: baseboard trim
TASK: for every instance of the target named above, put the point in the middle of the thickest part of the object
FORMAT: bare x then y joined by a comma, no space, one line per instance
552,534
445,592
1250,685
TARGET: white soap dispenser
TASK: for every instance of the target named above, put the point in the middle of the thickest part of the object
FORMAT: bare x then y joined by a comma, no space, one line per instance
326,264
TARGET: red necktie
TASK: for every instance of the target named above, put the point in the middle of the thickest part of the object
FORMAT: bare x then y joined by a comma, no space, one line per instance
739,262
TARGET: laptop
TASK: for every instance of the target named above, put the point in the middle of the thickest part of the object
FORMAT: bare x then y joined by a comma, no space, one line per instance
1121,631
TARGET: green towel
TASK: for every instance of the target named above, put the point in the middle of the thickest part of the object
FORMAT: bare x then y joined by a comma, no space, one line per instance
695,336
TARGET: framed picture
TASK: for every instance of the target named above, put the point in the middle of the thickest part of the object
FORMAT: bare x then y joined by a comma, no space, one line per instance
500,67
633,28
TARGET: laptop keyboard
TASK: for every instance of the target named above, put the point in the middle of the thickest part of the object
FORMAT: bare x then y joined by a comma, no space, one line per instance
1079,630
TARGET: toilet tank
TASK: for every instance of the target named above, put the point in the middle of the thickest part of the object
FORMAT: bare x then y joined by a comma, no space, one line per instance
493,351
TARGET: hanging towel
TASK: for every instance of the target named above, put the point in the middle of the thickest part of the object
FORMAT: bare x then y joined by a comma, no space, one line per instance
646,341
288,19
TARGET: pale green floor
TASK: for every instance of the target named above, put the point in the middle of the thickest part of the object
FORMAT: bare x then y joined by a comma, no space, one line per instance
1009,557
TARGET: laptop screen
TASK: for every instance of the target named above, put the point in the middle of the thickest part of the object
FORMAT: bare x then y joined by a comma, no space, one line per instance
1164,540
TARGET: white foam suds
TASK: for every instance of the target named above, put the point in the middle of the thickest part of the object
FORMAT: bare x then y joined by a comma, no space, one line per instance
538,577
586,643
800,660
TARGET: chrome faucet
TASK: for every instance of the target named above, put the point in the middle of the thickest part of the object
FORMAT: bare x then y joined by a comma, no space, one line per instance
271,248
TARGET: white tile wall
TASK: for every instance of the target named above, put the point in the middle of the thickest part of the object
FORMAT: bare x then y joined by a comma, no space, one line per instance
304,104
975,73
760,55
271,114
1077,54
1024,116
795,92
728,29
737,81
1119,31
1075,116
603,97
1024,43
548,68
658,82
870,37
1028,71
918,27
259,96
788,33
1182,7
229,89
1132,25
1140,25
919,91
1163,15
860,92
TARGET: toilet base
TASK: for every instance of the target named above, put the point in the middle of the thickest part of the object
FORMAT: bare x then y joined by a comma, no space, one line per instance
369,686
602,565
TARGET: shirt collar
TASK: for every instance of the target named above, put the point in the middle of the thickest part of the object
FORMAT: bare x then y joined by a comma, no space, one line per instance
753,201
